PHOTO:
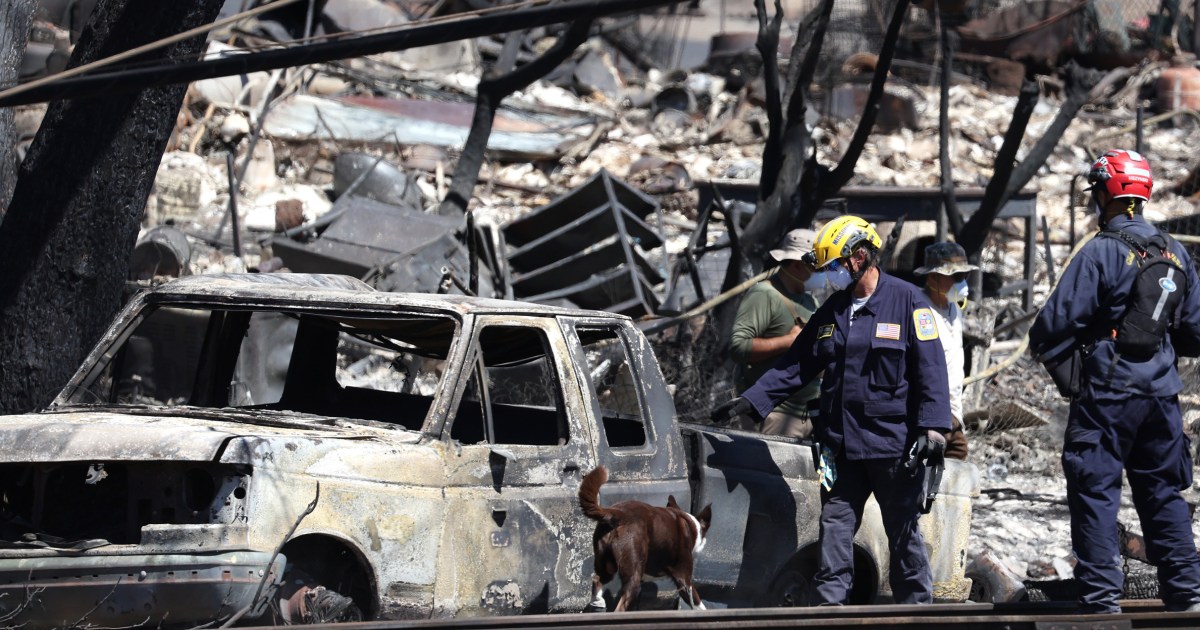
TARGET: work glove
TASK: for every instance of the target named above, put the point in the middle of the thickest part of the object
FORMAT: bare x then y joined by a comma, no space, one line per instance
926,449
731,409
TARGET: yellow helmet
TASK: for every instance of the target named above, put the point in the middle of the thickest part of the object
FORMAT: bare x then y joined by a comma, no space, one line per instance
838,238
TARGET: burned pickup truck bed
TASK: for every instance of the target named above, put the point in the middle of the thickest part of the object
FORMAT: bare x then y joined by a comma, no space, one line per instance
762,549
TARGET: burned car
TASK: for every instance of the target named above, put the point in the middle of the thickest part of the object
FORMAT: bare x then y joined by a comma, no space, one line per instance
301,448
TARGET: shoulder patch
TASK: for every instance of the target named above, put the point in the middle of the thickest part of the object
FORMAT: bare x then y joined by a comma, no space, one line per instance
825,331
925,324
1129,258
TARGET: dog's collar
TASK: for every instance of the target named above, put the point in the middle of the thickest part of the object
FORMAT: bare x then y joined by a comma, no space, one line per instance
700,539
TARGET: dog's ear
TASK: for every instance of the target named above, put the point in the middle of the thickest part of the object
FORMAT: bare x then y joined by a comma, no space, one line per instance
705,517
671,503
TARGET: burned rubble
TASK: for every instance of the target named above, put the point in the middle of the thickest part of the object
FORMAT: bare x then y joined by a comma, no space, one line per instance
601,188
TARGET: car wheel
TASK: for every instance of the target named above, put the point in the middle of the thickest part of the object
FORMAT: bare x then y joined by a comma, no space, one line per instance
303,599
793,585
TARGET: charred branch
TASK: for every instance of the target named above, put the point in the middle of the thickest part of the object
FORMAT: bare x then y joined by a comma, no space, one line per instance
491,91
949,203
1009,178
804,76
1079,82
845,168
776,208
768,47
975,231
801,69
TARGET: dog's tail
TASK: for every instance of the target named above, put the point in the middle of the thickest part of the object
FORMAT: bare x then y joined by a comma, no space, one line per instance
589,495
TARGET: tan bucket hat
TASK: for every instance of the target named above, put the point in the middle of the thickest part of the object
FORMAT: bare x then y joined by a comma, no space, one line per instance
796,244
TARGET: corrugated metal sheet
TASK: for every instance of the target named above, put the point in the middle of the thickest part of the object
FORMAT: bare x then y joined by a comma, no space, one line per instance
410,121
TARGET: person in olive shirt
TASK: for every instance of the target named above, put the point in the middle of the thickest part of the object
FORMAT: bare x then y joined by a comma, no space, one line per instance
769,317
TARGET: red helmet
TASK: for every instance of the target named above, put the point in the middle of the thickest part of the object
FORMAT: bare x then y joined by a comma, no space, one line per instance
1123,173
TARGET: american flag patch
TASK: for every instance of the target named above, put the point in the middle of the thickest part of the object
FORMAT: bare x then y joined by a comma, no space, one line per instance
887,331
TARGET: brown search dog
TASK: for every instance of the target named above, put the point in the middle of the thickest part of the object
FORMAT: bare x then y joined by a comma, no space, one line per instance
633,539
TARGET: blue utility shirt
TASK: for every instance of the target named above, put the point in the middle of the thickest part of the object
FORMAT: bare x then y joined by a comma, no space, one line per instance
1088,304
884,375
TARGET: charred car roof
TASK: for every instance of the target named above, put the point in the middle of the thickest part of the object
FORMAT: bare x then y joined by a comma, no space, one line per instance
339,291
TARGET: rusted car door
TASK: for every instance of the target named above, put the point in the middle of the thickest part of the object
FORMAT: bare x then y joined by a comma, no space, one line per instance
514,540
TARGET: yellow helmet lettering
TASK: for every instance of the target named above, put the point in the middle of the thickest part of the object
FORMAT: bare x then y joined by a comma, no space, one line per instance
838,239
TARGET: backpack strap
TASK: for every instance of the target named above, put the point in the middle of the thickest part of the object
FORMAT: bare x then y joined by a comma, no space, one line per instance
1139,246
1139,243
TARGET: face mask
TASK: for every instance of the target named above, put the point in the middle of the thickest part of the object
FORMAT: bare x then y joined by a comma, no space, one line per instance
839,278
815,282
958,292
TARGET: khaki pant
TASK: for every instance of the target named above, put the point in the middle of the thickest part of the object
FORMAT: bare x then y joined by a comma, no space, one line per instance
779,423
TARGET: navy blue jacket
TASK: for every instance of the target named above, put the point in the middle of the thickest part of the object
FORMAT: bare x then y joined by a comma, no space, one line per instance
1088,304
884,375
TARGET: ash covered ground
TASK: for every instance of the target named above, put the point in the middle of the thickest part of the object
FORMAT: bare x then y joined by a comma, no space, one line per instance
1021,515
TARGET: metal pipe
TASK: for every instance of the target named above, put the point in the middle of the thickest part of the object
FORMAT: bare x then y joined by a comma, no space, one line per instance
448,275
235,224
1046,250
1071,206
472,255
1139,143
308,19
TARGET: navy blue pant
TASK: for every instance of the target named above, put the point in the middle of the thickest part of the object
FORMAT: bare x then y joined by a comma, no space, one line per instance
898,494
1143,435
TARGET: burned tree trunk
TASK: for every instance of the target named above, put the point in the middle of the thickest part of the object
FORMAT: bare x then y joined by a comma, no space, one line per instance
491,91
785,167
78,203
1009,177
16,16
949,202
768,48
975,231
802,186
845,168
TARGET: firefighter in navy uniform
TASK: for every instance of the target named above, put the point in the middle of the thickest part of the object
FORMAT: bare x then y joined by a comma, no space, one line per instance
1118,367
884,395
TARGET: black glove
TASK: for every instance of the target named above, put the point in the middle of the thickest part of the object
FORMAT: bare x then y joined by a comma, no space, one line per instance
926,450
731,409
